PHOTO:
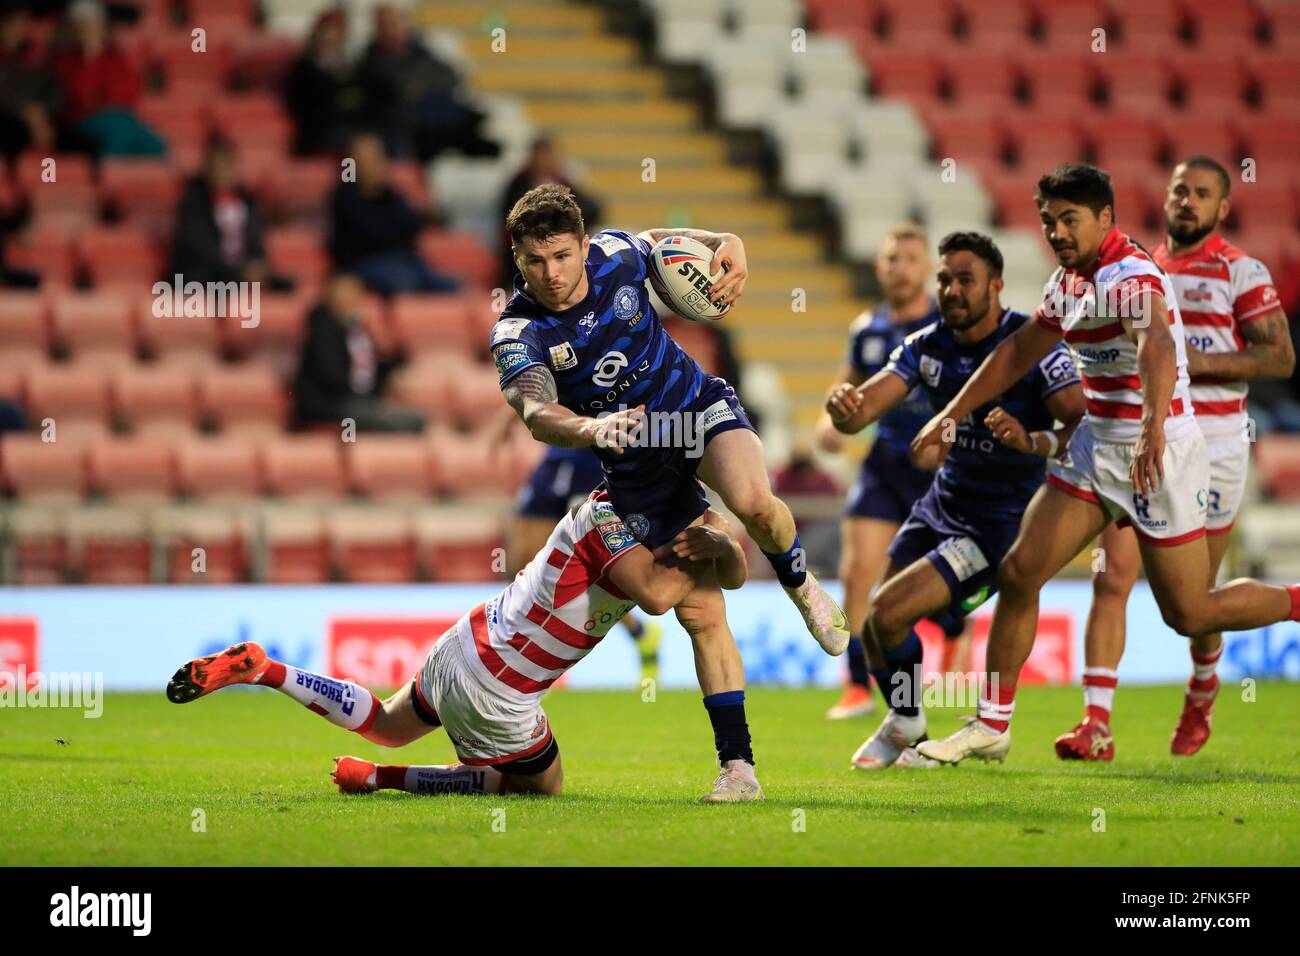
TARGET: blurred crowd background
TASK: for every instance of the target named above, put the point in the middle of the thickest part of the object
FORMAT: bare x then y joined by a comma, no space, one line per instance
356,161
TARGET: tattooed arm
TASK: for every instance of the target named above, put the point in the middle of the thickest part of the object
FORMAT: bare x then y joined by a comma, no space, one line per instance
532,394
1268,353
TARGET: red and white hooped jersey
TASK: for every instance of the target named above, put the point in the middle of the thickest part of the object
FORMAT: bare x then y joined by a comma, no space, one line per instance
1085,308
557,608
1219,289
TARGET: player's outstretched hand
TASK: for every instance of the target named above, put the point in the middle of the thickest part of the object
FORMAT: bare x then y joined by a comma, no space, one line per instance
931,444
703,542
843,402
1008,430
730,257
1148,467
621,429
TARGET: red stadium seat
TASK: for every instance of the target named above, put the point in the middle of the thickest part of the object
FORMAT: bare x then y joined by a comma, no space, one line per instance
409,178
461,545
305,466
136,467
833,15
219,467
93,322
24,326
257,118
373,547
1069,26
300,188
46,248
1136,81
474,396
111,545
461,255
297,547
988,80
246,397
433,322
920,24
277,338
466,465
1225,25
966,134
68,393
1211,86
1115,141
424,382
219,535
174,56
141,191
1002,25
40,545
1042,141
299,253
1064,82
156,398
1278,460
1278,76
1149,24
1013,196
181,117
62,188
1269,141
262,60
1264,205
119,255
1186,136
35,469
903,73
1283,18
390,466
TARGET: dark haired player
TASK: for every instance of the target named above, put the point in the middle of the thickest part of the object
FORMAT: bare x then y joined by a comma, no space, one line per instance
1137,454
945,557
579,340
1236,330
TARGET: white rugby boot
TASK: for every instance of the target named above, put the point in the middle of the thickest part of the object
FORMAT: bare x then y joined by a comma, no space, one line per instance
823,617
909,759
895,734
736,783
976,740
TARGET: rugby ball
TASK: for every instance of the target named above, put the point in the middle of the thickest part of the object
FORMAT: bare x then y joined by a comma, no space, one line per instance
679,274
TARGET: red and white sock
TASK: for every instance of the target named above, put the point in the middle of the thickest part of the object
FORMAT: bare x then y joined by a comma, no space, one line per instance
997,704
454,778
1204,679
341,702
1099,692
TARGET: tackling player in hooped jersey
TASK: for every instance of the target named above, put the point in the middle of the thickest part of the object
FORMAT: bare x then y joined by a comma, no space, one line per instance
1138,454
483,679
579,340
945,556
1236,330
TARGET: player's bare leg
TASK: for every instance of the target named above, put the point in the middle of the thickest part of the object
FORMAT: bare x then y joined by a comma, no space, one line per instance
1193,729
904,596
721,675
1178,577
734,467
862,559
355,775
1112,582
1055,528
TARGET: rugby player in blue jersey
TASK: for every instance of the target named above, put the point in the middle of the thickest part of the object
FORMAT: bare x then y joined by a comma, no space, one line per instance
887,484
945,557
584,361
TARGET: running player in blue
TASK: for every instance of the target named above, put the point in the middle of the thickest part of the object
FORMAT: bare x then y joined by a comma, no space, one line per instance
887,484
584,361
945,557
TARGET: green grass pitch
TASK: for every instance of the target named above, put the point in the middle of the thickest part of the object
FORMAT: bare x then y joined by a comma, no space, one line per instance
123,789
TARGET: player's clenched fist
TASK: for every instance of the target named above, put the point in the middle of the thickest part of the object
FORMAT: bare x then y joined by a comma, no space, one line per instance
619,430
730,258
702,542
842,403
1008,430
931,444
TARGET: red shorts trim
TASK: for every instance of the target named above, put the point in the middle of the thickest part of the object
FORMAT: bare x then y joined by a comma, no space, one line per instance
1219,530
492,761
1170,542
1070,489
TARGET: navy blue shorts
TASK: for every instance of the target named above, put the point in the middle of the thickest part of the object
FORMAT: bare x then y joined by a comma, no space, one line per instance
964,553
656,492
565,473
887,486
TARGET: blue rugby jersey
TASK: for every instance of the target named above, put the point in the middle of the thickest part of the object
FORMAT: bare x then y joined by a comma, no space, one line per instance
608,351
872,339
982,478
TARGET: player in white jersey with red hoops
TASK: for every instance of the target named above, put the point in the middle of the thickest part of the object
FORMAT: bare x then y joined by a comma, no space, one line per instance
484,678
1236,330
1138,454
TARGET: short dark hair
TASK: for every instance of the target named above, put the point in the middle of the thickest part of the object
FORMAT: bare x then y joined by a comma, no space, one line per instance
1214,166
1078,183
976,242
545,211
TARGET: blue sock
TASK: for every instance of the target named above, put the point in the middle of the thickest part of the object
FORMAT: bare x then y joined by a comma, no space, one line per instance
730,731
858,672
902,693
881,674
784,565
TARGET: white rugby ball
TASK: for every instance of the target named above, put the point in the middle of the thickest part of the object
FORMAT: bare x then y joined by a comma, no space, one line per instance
679,273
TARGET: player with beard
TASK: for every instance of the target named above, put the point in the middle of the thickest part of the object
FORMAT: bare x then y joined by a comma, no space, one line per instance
945,556
1236,331
887,484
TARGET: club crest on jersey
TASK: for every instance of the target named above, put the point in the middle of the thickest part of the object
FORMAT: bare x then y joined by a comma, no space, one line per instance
626,302
931,369
873,352
639,525
563,357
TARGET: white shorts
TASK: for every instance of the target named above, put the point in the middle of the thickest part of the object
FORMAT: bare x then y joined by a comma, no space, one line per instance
1098,471
1229,462
485,727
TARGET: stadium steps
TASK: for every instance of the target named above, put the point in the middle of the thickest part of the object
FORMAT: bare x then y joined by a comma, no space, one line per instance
611,127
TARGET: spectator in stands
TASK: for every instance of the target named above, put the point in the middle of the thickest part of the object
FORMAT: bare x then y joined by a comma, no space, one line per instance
15,211
802,477
323,93
345,363
100,90
29,91
218,234
543,166
374,228
413,98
